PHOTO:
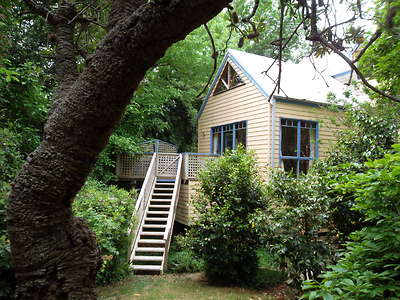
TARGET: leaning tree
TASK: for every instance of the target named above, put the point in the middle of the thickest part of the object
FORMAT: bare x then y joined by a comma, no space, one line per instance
54,254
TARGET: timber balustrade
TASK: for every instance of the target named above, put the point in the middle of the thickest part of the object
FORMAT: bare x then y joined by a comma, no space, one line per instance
172,212
143,199
135,166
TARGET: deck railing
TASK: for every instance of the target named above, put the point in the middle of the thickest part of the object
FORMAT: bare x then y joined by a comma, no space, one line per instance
131,166
172,210
194,162
143,200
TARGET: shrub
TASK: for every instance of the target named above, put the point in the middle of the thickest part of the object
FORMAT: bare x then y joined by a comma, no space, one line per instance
291,226
181,258
10,161
369,267
108,211
224,233
7,280
370,131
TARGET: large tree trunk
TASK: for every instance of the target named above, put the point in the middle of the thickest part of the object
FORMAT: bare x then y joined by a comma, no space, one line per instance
55,254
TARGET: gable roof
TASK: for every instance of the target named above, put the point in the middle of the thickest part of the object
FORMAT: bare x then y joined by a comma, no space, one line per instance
298,82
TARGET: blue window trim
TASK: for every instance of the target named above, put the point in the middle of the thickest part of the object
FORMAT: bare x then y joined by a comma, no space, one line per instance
298,158
222,135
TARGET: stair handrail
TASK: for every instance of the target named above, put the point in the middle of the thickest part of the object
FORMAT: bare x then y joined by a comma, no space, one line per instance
171,216
142,202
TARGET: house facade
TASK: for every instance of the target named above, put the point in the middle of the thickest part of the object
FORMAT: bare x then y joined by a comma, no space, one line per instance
289,129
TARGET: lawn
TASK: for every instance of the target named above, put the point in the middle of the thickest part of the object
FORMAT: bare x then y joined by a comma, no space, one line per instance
182,286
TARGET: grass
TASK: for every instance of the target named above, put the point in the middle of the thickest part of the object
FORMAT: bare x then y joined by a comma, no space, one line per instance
173,286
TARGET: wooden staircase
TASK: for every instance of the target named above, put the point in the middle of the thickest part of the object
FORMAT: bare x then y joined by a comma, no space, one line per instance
156,215
151,247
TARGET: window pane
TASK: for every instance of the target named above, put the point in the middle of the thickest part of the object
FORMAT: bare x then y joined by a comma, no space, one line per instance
216,144
290,165
228,141
305,142
241,137
289,141
304,166
308,142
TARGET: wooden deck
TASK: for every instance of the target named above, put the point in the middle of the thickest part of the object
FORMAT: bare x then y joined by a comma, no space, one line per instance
135,166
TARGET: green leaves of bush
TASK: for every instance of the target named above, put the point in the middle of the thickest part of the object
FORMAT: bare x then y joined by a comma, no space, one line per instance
369,267
292,225
108,210
224,234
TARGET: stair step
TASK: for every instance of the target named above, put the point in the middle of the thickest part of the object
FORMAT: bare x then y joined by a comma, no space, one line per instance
156,219
149,249
162,194
146,268
163,189
148,258
160,241
157,212
159,206
152,233
160,200
158,226
165,182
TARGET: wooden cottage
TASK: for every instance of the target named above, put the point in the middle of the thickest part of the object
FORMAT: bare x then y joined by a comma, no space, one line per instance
289,129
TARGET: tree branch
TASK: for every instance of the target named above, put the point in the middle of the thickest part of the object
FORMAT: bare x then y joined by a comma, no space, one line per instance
50,17
215,58
377,34
81,12
328,45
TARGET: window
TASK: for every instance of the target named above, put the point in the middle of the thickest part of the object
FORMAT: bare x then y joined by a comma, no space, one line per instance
228,137
298,146
228,80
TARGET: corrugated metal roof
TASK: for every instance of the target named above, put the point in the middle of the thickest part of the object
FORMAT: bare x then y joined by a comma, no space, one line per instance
299,81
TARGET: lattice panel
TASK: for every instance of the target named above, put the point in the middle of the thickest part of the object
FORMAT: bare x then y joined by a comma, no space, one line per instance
147,146
164,147
194,163
167,165
133,166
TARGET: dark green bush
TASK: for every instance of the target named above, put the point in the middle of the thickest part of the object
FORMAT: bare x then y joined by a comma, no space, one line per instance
7,280
10,162
181,258
370,131
291,226
108,211
224,234
370,265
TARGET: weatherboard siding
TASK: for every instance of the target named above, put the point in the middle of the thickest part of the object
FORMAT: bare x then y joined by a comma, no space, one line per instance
242,103
184,210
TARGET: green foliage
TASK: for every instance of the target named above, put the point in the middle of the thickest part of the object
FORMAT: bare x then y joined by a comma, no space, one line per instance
292,224
267,21
7,280
223,234
10,160
369,132
381,61
369,267
23,103
181,258
108,210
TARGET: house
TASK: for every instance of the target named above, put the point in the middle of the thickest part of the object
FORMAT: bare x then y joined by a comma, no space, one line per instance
290,129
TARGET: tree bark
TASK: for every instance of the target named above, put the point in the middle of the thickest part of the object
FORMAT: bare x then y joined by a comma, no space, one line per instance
54,254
